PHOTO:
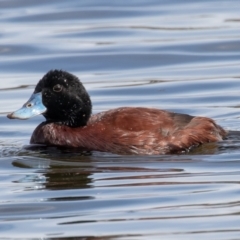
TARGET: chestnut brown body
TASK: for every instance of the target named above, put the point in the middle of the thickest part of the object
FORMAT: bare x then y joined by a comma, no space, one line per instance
133,131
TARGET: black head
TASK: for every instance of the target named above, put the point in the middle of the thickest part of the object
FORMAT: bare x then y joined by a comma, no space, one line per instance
65,98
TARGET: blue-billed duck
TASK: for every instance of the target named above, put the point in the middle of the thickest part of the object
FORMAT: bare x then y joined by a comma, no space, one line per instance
62,99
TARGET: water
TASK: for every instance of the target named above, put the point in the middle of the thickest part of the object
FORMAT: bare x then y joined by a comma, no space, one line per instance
183,56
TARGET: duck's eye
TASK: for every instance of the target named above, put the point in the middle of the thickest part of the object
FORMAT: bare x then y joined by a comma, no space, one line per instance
57,88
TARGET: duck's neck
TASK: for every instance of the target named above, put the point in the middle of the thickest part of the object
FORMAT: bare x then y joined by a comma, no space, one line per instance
77,116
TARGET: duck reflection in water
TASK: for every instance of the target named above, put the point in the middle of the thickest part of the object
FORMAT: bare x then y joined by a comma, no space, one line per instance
62,99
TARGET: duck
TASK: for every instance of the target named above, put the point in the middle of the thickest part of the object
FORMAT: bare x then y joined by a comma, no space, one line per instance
66,105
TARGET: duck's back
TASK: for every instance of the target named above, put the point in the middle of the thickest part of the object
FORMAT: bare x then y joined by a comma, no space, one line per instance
154,131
